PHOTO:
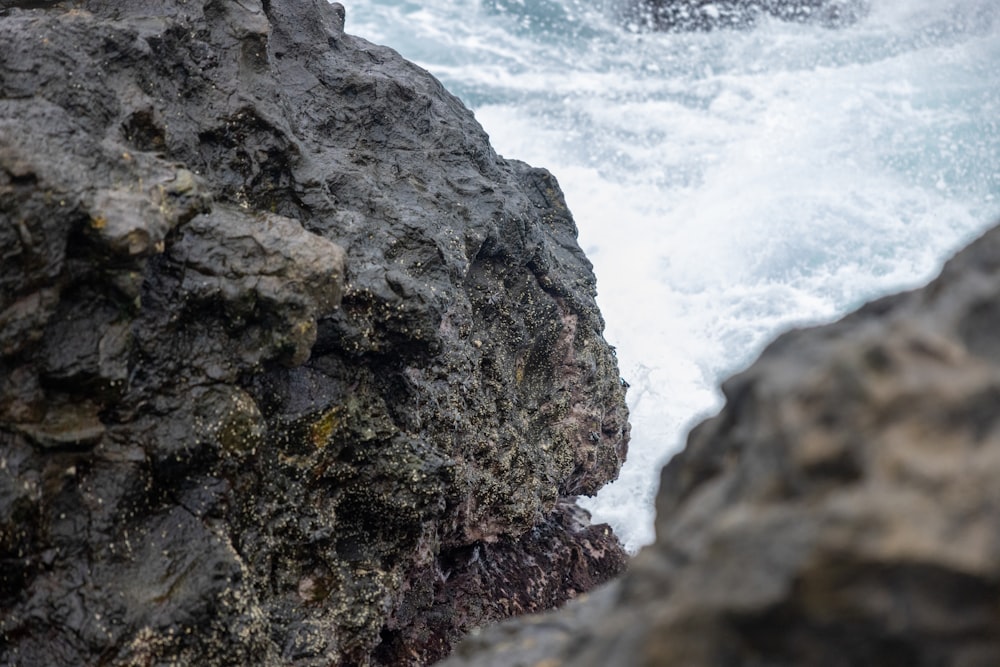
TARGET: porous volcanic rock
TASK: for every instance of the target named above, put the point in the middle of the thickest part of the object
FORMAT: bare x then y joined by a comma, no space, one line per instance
294,369
841,510
688,15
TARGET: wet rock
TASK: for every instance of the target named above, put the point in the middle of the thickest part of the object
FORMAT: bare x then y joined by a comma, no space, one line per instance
688,15
294,369
840,510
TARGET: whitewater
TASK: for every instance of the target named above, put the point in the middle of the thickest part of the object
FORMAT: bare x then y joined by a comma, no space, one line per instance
727,185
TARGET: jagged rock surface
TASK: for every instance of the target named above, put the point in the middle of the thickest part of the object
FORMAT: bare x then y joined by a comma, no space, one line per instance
294,369
688,15
841,510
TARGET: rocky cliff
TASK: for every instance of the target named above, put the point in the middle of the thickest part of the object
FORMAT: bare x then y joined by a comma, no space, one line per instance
294,369
841,510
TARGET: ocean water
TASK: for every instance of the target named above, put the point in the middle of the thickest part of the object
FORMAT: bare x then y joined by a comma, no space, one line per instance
727,185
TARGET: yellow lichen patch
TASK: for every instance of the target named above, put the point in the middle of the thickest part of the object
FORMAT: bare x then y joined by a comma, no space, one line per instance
323,428
98,222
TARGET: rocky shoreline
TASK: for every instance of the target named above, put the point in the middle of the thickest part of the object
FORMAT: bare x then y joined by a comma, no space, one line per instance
294,369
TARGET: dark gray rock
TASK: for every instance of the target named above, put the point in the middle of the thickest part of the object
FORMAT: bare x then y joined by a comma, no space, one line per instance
688,15
294,369
840,510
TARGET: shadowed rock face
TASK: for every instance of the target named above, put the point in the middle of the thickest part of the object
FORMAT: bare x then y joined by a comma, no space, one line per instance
294,369
687,15
841,510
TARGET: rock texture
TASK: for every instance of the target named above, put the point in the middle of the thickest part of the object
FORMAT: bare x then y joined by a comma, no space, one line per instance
687,15
294,369
841,509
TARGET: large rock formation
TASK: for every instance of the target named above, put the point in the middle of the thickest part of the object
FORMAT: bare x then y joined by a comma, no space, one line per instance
686,15
294,369
841,510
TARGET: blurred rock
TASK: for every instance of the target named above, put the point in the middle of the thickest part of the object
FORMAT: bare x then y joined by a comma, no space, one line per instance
688,15
294,369
841,509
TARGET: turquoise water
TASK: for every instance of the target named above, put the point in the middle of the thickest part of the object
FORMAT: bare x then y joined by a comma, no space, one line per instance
727,185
